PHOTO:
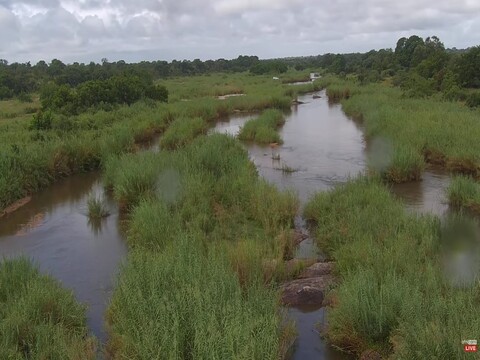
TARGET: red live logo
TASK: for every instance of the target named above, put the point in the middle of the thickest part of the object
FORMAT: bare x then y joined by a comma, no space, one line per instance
470,345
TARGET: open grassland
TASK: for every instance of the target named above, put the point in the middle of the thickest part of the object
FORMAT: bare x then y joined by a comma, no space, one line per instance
35,154
202,226
412,131
263,129
15,109
252,86
38,319
394,294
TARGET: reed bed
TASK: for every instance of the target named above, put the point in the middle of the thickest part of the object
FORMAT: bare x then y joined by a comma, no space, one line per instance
418,130
394,294
200,232
38,318
32,159
183,131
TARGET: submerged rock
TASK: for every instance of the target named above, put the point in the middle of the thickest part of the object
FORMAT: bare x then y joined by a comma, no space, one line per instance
318,269
310,287
297,102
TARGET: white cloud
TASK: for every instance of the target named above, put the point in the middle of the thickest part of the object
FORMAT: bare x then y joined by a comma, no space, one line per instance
84,30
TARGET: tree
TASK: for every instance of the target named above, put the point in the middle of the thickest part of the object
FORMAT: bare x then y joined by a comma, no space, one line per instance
468,68
405,49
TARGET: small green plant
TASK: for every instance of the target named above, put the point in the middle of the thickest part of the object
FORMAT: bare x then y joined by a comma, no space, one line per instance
97,208
286,169
42,120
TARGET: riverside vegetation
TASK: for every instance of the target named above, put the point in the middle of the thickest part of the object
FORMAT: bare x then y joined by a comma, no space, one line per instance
414,132
222,225
395,295
201,226
39,319
208,237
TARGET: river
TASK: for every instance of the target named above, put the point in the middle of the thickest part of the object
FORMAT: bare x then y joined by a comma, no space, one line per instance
321,144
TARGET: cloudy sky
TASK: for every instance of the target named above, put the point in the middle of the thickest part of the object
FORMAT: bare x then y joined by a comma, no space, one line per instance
135,30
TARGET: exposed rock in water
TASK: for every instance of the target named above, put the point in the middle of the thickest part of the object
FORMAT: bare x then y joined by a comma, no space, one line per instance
310,287
316,97
297,102
299,236
318,269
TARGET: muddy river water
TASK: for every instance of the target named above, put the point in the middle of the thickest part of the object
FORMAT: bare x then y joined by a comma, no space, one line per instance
324,147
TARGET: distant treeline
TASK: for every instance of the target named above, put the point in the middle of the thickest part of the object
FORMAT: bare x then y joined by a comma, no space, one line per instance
17,78
422,65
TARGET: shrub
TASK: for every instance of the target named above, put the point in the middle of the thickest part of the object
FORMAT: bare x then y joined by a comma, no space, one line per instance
42,120
473,100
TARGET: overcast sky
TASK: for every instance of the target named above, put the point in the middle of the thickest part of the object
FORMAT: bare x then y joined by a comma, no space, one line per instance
135,30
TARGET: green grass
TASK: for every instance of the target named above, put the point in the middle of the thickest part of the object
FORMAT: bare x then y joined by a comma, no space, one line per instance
187,303
418,130
393,296
263,129
200,228
15,109
182,131
464,192
286,169
97,208
38,318
31,160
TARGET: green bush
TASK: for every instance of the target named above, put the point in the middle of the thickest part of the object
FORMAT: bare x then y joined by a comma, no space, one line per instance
42,120
473,100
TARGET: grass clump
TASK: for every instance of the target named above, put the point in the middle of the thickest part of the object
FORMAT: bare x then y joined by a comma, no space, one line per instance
189,304
464,192
286,169
263,129
182,131
39,319
394,294
196,274
97,208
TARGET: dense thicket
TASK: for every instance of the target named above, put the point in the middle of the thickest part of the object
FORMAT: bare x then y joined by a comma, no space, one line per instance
119,89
